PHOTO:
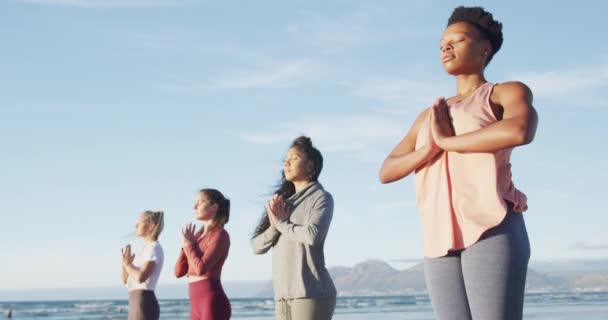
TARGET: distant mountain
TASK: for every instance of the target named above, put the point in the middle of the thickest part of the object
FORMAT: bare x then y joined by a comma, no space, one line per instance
369,278
379,278
579,266
374,278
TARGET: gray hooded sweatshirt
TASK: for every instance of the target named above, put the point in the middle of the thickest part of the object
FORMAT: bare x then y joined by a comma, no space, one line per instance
298,262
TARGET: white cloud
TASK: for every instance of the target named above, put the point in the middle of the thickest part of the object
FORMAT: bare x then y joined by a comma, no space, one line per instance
364,137
406,94
367,24
280,75
583,86
105,3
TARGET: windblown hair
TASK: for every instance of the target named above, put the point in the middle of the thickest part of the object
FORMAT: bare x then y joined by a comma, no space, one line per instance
286,188
481,19
156,218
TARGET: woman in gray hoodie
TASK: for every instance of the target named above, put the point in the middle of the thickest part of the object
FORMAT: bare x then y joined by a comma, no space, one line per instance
295,225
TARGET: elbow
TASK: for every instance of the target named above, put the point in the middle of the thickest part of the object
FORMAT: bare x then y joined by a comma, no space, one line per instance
384,176
527,137
259,251
141,278
522,137
526,140
391,174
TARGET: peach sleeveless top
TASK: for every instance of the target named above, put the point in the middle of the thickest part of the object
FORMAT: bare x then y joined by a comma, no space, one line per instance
461,195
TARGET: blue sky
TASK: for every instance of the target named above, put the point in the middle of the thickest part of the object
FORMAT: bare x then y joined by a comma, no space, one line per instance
112,107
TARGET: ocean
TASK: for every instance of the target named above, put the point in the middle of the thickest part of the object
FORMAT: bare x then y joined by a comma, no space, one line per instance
554,306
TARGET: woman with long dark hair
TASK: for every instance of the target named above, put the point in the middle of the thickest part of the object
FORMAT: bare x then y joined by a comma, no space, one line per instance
295,225
475,242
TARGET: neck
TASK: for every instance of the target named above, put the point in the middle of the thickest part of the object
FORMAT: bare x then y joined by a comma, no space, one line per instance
148,239
467,83
300,185
208,226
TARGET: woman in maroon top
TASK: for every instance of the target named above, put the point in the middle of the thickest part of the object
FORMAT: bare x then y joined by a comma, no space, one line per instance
202,256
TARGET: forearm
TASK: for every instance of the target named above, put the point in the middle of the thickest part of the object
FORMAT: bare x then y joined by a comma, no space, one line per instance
130,271
313,232
201,262
397,167
500,135
124,275
306,234
181,266
266,240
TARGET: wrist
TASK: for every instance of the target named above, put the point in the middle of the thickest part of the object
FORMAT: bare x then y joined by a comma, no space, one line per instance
445,143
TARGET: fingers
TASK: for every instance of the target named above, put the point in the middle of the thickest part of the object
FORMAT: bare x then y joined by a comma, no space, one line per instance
188,228
126,254
270,213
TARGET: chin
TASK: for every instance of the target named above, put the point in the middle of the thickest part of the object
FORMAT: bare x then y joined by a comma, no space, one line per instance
451,70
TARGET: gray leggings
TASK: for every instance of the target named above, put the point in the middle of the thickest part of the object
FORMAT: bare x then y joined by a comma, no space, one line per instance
305,309
486,280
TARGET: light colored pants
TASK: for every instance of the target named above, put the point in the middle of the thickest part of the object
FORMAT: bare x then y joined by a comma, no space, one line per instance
305,309
485,281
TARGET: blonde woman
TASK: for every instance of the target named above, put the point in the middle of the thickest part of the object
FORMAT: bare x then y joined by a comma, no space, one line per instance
140,272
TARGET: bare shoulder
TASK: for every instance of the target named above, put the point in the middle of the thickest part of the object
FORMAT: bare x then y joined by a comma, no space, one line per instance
423,116
511,90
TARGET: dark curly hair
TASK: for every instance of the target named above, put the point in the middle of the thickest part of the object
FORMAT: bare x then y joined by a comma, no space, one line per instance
286,188
481,19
